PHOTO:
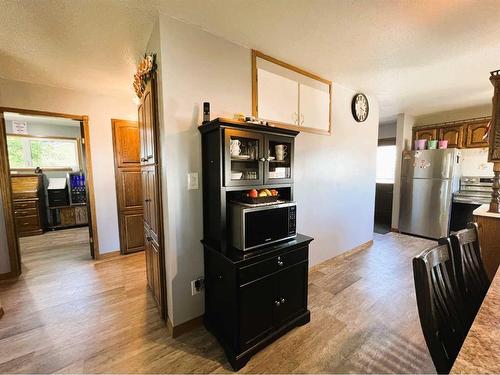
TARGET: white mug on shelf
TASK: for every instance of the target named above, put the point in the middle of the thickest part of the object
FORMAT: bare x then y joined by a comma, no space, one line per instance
235,147
280,152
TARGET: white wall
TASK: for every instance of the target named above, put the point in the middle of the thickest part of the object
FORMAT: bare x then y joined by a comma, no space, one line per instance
335,180
387,130
475,162
335,176
454,115
100,110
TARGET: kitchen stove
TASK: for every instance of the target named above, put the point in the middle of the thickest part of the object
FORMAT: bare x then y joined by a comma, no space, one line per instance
474,192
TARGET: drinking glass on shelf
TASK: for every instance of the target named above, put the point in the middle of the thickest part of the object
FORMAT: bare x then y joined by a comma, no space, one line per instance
252,150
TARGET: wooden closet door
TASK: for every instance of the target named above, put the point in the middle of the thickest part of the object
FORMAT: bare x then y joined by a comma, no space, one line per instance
142,133
126,142
145,196
153,203
155,264
149,133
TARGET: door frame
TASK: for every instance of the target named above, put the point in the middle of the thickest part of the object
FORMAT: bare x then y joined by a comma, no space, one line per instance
6,192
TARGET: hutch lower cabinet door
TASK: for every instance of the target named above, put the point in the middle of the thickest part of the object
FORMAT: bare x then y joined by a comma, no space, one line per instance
252,302
257,306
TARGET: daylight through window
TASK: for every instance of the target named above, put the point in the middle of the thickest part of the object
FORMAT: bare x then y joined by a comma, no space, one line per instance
386,164
29,153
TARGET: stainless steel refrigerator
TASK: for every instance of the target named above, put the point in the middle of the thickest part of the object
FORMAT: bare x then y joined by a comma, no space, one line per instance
428,180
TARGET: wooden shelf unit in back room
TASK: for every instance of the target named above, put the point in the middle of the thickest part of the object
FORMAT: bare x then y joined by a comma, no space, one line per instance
251,297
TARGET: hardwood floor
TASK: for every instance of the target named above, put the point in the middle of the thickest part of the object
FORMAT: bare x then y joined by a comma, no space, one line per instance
81,316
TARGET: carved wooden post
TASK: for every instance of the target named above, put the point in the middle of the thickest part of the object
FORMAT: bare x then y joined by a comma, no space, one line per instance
494,140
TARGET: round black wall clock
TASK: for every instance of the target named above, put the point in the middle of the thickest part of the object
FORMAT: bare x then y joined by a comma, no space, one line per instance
360,107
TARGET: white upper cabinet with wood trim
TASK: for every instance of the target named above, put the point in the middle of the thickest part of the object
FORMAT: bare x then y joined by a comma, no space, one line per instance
314,106
290,97
278,97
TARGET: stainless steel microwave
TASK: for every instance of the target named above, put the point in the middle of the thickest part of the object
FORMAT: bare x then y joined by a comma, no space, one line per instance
253,226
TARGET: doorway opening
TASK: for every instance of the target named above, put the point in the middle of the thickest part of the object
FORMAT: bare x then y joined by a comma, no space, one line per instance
385,174
50,215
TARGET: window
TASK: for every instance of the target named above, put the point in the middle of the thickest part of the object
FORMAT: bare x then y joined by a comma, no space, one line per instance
386,164
48,153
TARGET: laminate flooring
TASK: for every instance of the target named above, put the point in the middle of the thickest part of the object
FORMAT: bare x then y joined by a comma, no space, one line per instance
69,314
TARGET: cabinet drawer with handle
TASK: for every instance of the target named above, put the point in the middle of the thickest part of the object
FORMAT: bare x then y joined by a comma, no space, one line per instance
25,212
22,205
27,223
266,267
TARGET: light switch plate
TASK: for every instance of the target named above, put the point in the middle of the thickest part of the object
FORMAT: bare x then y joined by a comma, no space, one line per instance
193,181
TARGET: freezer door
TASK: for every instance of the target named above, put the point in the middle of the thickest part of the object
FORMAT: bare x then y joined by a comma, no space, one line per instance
429,163
425,207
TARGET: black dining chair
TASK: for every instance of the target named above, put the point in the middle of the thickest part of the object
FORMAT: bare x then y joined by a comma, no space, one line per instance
471,275
440,305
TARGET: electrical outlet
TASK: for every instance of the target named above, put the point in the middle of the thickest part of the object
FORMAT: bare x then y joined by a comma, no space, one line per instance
193,181
197,286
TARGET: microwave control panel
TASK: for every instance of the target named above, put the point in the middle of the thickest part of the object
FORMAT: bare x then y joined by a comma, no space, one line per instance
292,220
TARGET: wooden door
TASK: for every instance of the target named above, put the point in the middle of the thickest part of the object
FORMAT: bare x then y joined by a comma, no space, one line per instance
153,203
150,183
428,134
126,145
142,133
147,250
145,196
475,133
452,134
156,272
147,122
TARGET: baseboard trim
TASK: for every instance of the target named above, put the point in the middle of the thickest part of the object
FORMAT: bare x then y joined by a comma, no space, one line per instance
345,254
109,255
176,331
8,276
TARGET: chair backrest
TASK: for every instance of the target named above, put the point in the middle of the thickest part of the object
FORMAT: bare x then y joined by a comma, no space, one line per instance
440,305
471,275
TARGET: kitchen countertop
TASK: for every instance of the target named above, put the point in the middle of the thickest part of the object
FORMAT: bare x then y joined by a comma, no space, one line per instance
483,211
480,352
239,257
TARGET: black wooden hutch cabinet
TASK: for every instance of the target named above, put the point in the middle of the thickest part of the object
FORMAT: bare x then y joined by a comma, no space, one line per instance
254,297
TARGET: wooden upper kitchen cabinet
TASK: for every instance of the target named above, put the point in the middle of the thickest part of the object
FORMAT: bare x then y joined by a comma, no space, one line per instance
427,134
452,134
475,133
467,133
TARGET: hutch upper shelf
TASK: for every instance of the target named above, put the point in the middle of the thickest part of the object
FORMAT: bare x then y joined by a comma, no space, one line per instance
255,155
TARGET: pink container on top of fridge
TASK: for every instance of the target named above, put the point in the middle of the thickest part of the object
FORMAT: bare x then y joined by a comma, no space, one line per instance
443,144
420,144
